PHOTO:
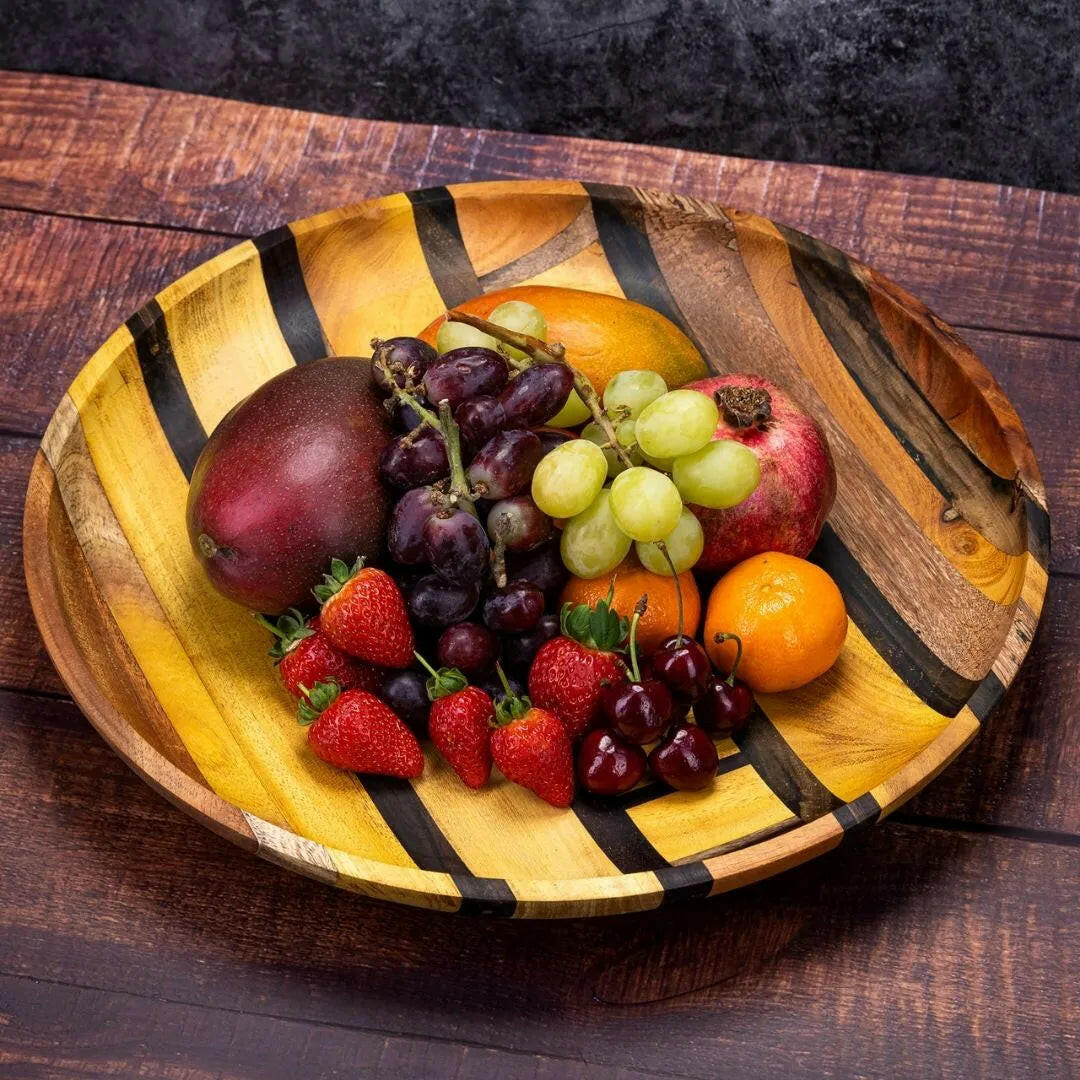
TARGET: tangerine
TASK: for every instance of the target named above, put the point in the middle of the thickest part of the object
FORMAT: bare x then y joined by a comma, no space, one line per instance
789,614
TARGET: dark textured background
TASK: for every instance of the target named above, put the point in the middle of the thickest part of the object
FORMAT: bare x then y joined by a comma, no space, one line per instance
966,88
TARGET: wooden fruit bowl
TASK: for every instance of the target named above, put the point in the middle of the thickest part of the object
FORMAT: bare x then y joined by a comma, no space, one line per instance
938,540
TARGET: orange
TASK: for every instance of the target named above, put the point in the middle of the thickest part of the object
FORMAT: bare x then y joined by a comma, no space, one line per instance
789,614
632,580
603,334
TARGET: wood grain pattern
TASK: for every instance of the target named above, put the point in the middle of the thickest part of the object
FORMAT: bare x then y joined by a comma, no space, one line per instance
261,306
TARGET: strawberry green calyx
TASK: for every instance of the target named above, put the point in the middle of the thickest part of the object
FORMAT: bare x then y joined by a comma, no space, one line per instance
444,682
512,707
316,700
601,627
340,575
289,629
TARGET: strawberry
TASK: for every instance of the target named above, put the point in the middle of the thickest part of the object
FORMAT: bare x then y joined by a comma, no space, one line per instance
569,672
363,613
354,730
532,748
305,655
459,724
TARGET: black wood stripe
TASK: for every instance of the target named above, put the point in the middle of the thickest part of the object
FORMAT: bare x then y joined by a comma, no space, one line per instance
616,834
858,814
943,689
409,820
687,881
782,771
1038,531
987,696
288,292
168,394
444,249
842,306
620,226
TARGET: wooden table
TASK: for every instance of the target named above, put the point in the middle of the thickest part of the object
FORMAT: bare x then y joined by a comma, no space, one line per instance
134,942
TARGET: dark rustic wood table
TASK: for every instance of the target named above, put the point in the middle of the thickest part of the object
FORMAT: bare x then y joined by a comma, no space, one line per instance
134,942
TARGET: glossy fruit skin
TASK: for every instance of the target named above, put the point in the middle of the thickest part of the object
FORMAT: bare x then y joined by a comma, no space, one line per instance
460,374
411,354
456,545
536,395
408,461
543,566
459,725
317,659
515,608
638,712
796,491
520,649
366,618
686,759
434,601
724,709
479,419
405,530
406,693
682,666
789,614
469,647
519,523
360,733
505,463
607,764
534,751
288,480
566,678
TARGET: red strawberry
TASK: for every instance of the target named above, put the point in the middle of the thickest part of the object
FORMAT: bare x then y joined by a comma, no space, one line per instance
532,748
459,724
569,672
354,730
304,656
363,612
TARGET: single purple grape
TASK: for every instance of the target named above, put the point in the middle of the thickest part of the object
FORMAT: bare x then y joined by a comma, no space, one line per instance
537,394
470,647
405,530
515,608
478,419
465,373
519,523
434,601
505,463
414,459
411,356
406,693
456,545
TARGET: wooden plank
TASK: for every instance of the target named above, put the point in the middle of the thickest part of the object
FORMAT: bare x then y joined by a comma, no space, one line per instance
906,952
102,149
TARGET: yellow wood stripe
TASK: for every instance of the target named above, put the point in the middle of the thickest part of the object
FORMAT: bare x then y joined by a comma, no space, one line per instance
857,724
588,270
224,336
997,575
367,276
148,492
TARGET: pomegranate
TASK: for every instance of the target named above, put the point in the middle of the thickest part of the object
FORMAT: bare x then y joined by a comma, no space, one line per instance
798,480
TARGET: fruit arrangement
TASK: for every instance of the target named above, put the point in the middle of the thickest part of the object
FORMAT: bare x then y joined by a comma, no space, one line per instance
512,535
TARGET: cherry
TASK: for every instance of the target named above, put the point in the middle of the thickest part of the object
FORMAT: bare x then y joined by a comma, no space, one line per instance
606,765
640,710
686,759
681,663
726,704
470,647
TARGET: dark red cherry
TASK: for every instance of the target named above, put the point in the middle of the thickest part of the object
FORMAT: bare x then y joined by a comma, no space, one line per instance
608,765
686,759
639,712
682,664
723,708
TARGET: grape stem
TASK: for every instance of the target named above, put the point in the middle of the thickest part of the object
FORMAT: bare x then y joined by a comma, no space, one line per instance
459,484
406,398
543,352
678,587
498,556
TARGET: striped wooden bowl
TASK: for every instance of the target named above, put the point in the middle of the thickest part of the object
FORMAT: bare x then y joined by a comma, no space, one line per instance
939,541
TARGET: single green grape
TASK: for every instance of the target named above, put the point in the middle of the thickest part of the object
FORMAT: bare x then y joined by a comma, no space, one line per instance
632,391
522,317
719,475
684,543
624,434
678,423
567,479
592,543
456,335
663,464
573,412
646,504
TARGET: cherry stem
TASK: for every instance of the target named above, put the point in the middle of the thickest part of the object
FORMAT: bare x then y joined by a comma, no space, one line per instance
543,352
678,587
720,639
639,611
459,484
